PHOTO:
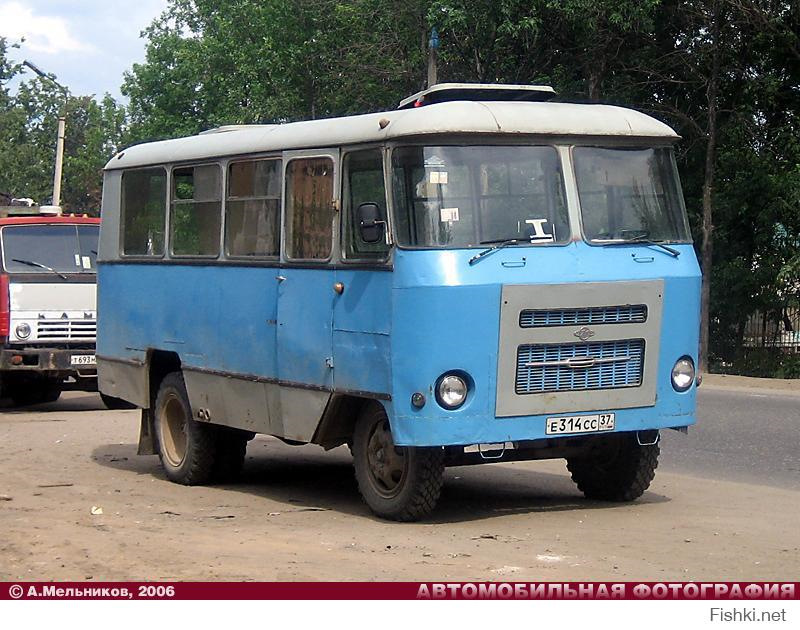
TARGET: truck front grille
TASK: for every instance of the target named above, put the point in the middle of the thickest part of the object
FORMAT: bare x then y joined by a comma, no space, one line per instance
579,366
69,329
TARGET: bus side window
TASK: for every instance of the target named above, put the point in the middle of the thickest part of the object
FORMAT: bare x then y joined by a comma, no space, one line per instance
144,194
364,183
309,208
253,209
195,211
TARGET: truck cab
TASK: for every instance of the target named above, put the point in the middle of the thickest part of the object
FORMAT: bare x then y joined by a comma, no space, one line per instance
48,308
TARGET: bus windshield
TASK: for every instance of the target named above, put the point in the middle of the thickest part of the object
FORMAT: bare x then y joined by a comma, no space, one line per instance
629,194
462,196
50,248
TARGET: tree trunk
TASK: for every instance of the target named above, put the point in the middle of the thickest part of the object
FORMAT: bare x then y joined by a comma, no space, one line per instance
708,186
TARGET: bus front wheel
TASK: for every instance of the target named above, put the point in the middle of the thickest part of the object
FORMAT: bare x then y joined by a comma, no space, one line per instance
397,483
187,448
615,468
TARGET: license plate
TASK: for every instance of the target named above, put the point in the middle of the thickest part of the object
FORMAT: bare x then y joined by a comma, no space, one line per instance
83,359
595,423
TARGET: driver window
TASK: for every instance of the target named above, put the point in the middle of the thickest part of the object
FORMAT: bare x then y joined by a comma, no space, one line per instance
364,183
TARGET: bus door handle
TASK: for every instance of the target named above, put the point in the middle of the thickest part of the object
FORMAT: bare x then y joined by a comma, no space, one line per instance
280,278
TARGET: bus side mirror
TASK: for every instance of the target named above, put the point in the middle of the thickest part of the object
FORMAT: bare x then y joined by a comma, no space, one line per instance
370,223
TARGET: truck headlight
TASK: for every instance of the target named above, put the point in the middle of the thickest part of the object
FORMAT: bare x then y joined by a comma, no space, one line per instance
451,391
23,331
683,374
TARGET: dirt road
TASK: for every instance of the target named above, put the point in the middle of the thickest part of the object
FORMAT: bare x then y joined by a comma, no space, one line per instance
296,515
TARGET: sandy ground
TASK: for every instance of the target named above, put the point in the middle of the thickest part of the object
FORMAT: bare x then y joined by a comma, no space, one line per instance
297,516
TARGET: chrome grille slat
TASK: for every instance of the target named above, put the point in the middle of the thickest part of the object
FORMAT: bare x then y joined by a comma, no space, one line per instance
622,314
77,329
560,367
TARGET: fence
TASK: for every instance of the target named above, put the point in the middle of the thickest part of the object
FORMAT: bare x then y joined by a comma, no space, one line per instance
776,329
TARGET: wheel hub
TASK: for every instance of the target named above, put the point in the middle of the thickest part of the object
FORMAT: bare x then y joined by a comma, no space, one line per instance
388,465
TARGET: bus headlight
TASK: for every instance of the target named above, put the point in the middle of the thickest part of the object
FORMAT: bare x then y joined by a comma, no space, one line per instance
23,331
683,374
451,391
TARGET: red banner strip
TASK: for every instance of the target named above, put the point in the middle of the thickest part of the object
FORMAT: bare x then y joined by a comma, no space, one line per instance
400,590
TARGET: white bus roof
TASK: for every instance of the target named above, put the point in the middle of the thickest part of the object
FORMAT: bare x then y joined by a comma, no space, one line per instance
455,117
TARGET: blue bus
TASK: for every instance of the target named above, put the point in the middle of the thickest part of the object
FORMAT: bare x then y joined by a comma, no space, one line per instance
482,275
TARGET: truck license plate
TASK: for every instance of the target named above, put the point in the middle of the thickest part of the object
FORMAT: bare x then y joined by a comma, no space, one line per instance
595,423
83,359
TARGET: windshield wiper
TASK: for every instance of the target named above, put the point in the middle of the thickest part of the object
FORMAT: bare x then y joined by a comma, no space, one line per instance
33,263
644,239
499,243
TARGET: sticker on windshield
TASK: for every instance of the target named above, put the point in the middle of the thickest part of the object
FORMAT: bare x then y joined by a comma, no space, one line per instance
448,214
438,177
434,161
87,262
77,260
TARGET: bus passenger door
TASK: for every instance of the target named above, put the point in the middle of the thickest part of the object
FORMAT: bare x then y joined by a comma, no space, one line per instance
305,290
362,312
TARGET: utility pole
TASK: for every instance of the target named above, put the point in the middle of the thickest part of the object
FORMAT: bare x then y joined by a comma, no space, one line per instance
433,48
62,124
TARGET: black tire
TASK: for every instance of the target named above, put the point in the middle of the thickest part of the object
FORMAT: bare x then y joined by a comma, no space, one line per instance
231,450
403,486
115,403
615,468
187,448
35,392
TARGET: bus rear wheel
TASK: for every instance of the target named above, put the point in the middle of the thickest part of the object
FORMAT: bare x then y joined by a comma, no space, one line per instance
397,483
187,448
615,468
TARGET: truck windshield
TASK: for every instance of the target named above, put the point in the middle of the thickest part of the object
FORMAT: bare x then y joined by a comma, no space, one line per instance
50,248
629,194
463,196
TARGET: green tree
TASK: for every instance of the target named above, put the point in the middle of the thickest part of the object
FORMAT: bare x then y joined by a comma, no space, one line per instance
28,126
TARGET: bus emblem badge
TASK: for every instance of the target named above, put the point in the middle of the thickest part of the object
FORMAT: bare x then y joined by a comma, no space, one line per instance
584,333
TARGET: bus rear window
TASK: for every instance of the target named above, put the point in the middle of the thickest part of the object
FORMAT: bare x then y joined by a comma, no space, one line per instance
144,197
49,249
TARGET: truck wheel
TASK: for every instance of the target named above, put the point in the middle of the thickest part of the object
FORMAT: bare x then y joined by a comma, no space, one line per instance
231,450
397,483
35,392
187,448
115,403
616,468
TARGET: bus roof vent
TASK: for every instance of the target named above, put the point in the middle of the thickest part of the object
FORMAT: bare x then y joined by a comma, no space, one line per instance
443,92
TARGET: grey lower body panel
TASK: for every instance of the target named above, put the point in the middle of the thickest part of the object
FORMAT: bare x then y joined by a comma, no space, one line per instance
255,405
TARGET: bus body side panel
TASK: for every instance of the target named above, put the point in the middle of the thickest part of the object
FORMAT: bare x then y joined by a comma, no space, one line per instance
446,316
219,320
362,333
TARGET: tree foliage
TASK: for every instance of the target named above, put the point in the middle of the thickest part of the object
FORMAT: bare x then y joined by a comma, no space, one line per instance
28,128
724,73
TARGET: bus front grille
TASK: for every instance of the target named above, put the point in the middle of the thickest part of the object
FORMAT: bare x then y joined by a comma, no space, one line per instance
579,366
66,329
622,314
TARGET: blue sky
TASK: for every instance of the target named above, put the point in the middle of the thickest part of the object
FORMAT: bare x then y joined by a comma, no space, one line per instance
87,44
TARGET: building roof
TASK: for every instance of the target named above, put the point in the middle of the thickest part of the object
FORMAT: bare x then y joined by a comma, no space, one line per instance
456,117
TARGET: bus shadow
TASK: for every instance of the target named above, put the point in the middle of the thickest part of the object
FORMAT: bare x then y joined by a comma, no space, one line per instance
308,479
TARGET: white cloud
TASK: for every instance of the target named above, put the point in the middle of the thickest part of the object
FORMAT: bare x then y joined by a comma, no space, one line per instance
42,33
